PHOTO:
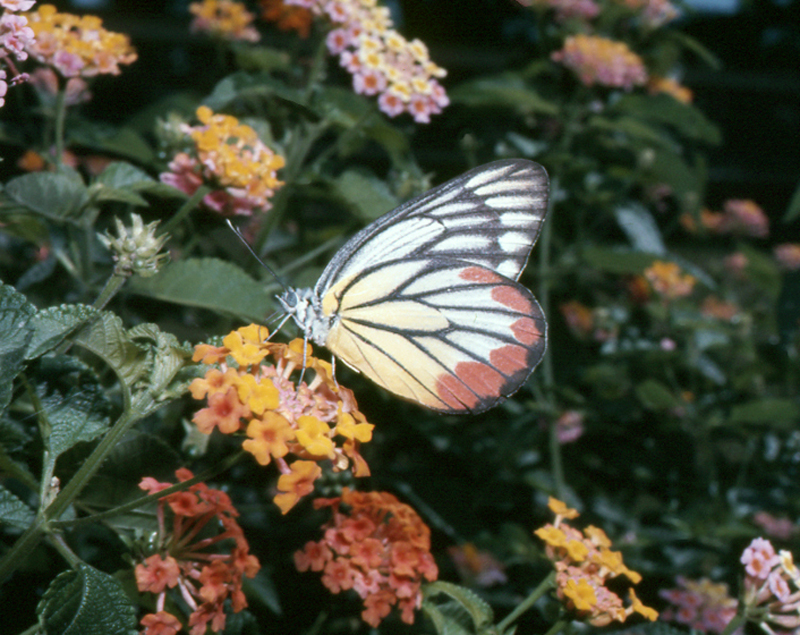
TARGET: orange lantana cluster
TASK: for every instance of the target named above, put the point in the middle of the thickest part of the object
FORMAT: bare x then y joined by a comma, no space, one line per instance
205,580
600,61
377,546
230,157
584,564
224,19
668,281
77,45
310,422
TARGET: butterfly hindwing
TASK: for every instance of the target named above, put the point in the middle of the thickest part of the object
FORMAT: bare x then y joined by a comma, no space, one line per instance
451,335
489,216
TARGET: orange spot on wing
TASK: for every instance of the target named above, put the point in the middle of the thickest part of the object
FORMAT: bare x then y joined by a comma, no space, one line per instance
525,331
513,298
509,359
470,384
455,394
479,274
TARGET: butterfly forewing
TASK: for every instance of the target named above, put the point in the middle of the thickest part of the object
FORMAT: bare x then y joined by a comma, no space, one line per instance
451,335
489,216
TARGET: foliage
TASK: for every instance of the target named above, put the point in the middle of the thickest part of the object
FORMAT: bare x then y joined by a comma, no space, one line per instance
666,408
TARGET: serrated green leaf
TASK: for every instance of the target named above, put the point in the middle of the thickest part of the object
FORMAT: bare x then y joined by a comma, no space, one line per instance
123,142
54,196
169,357
617,261
13,511
15,334
655,396
120,174
80,415
208,283
52,325
107,338
103,194
366,194
478,610
767,411
85,601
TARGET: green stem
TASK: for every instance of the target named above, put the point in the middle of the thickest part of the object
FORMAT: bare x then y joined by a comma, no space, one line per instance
317,69
188,206
222,466
546,585
734,624
60,116
557,627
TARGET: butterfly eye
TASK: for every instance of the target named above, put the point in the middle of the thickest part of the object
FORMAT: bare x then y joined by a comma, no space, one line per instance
289,299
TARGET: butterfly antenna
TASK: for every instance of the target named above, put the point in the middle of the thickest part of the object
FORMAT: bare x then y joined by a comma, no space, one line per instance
238,233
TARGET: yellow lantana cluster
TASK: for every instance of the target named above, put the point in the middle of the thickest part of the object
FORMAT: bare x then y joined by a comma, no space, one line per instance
584,563
313,422
77,45
600,61
668,281
224,19
227,155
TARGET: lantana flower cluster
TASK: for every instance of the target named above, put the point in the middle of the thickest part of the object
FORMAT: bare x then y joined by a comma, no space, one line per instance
15,36
788,256
741,217
653,13
668,281
603,62
381,61
702,605
286,17
771,595
584,564
377,546
205,580
297,425
228,156
224,19
477,567
566,9
77,45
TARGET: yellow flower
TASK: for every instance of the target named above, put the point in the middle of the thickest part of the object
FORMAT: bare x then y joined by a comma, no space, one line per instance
560,509
224,19
667,281
581,593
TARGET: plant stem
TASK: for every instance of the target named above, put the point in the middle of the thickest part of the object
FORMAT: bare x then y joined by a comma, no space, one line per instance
60,116
188,206
528,602
734,624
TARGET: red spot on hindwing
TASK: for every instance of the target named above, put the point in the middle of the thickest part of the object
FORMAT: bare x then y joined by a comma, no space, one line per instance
513,298
509,359
525,331
479,274
469,385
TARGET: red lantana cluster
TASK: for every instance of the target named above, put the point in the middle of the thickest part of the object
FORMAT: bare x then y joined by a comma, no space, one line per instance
205,580
310,422
377,546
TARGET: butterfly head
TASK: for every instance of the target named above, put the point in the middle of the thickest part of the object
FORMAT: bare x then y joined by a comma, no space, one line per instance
306,309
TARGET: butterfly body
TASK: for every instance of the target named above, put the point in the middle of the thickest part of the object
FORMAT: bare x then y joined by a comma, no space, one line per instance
425,300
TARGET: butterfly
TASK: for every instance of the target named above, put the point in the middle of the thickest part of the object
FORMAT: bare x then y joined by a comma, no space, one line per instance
425,300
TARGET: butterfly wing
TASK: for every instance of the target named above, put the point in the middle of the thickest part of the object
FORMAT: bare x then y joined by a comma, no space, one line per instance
451,335
489,216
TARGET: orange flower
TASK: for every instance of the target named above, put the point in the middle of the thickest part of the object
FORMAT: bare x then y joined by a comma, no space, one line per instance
316,421
205,580
667,281
224,19
287,18
598,60
377,546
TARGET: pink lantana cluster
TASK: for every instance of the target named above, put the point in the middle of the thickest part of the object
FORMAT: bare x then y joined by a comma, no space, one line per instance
381,61
566,9
600,61
15,36
771,586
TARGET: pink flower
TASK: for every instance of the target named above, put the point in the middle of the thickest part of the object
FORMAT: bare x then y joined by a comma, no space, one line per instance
759,558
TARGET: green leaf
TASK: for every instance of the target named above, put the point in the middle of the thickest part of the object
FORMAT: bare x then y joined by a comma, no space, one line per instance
13,511
793,211
208,283
655,396
767,411
120,174
762,270
617,261
85,601
15,335
261,58
170,356
124,142
54,196
461,612
73,402
507,90
52,325
253,87
367,195
639,225
343,107
107,338
664,109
